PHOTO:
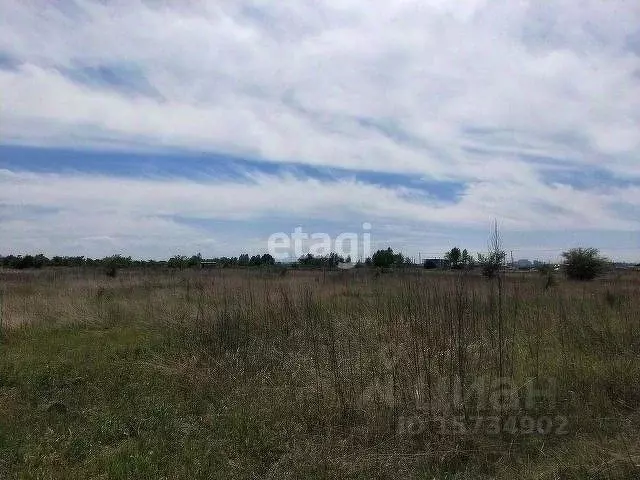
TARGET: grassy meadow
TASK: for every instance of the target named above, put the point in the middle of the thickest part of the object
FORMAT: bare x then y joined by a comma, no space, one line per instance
258,373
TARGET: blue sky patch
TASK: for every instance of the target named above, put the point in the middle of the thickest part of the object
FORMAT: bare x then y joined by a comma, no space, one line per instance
586,178
290,113
8,62
123,77
205,167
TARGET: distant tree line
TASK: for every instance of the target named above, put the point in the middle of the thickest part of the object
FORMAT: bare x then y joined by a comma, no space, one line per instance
579,263
382,258
325,261
243,260
118,261
385,258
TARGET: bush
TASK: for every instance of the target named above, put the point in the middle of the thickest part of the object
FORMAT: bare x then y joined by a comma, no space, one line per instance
544,268
583,263
492,263
386,258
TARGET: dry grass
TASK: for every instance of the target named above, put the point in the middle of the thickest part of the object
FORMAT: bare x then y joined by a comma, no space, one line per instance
342,374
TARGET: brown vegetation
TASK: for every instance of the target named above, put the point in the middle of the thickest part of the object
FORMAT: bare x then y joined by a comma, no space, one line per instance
348,374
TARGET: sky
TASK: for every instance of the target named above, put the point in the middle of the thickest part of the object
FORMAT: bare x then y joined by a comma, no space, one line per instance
156,128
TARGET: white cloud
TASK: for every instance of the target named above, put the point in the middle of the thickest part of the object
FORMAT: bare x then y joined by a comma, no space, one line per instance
303,82
286,81
108,213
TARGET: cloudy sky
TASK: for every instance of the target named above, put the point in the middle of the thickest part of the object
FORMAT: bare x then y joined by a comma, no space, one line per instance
151,128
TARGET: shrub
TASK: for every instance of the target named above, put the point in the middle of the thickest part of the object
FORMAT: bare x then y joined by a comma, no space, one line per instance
386,258
493,261
454,256
583,263
544,268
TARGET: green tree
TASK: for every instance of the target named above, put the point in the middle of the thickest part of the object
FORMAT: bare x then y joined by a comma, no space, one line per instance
454,256
177,261
267,259
467,260
584,263
195,260
28,261
40,261
383,258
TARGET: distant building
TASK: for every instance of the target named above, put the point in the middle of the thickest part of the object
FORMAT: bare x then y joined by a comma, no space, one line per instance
436,263
625,266
523,264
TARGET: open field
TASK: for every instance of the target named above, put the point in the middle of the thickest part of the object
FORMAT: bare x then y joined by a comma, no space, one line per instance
355,374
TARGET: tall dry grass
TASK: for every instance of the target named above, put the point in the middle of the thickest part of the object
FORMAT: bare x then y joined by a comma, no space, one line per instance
350,368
